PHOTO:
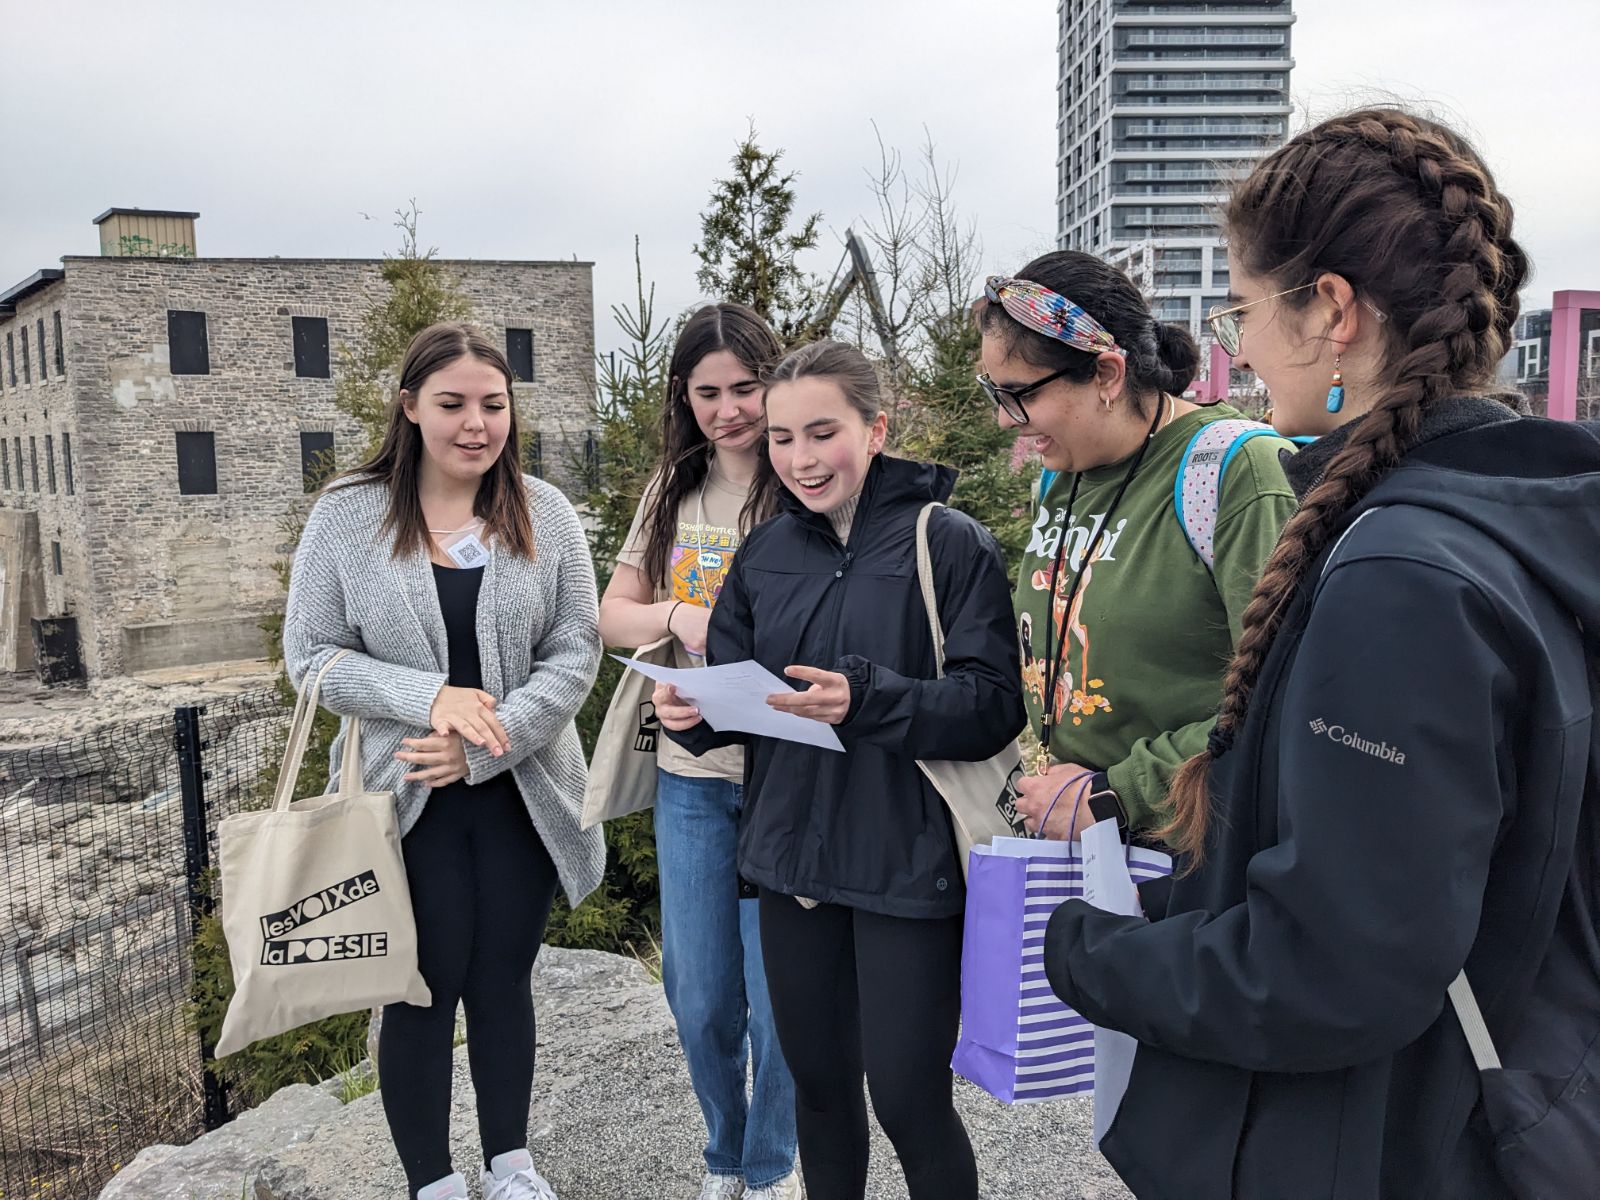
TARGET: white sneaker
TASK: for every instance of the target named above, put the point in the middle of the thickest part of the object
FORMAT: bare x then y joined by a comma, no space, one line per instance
721,1187
451,1187
511,1177
787,1188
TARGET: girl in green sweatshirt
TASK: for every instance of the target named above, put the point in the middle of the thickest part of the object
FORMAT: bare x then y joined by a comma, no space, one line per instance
1125,627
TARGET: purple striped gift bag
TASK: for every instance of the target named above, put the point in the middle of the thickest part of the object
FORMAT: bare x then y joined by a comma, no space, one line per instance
1018,1042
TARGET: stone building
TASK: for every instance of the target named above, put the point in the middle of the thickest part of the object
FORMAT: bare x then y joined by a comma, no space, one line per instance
161,412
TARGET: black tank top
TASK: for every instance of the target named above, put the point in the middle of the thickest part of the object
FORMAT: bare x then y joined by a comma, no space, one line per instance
458,589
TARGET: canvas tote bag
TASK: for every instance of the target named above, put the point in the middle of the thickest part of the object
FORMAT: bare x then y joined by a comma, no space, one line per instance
981,796
622,777
315,904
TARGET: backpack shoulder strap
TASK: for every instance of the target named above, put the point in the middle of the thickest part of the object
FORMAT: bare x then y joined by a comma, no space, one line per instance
1197,492
1041,487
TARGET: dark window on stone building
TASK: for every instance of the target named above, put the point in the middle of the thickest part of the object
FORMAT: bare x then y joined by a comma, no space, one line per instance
43,373
11,358
66,463
533,454
61,348
55,555
33,460
50,462
22,482
311,347
186,341
5,465
519,352
197,464
27,376
316,459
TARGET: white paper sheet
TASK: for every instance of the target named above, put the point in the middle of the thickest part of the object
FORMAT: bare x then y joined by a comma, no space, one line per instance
1107,885
733,696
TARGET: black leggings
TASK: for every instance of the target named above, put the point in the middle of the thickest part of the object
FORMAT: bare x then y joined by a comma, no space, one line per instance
853,991
481,887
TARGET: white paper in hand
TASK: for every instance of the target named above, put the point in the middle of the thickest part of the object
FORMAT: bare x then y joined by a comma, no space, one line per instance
1107,885
733,696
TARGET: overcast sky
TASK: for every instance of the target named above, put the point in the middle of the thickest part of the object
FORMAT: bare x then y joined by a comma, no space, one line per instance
543,129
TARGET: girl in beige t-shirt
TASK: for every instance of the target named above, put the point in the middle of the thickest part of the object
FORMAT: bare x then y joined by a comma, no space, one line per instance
697,510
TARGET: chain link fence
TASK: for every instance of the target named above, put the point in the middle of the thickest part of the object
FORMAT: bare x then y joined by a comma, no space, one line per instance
105,844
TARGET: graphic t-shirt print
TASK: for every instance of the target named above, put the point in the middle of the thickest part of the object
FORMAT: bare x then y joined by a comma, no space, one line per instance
1077,692
700,561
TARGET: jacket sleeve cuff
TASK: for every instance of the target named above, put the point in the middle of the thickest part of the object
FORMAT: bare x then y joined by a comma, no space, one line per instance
858,672
1124,780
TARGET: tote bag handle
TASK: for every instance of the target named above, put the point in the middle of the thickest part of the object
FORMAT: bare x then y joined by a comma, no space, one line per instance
300,724
930,602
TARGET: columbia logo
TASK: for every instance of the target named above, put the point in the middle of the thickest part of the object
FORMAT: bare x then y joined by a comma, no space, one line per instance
1355,741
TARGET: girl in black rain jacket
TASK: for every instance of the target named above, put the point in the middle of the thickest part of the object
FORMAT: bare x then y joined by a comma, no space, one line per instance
1401,786
853,854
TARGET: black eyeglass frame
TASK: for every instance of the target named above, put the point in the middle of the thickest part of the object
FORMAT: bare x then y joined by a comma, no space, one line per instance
1010,399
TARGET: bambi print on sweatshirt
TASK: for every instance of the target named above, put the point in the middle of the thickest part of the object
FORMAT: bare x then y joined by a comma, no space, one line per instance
1077,690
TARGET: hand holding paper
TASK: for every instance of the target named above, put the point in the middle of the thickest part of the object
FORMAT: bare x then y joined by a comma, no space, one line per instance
733,696
826,700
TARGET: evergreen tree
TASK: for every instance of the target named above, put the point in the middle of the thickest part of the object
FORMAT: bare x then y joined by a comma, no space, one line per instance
747,249
949,419
625,911
420,293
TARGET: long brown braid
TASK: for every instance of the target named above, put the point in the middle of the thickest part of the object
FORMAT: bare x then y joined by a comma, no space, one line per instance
1407,213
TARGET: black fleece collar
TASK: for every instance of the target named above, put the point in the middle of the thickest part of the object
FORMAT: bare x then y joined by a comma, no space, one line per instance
1305,469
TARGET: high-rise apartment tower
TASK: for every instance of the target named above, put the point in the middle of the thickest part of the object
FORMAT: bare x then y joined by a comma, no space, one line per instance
1161,102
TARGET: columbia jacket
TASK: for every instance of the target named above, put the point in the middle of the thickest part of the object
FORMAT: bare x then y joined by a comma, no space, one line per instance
1403,800
865,828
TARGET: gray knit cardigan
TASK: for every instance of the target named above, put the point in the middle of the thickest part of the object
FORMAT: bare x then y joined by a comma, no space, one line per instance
538,644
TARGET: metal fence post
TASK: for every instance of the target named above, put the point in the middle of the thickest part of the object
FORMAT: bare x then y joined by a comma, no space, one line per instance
196,862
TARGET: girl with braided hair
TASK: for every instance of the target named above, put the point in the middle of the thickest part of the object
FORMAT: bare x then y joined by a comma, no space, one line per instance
1392,794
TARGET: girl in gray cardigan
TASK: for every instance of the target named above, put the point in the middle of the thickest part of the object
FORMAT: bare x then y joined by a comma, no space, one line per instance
467,592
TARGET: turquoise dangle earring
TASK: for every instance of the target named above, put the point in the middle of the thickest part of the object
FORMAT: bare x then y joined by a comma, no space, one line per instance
1336,392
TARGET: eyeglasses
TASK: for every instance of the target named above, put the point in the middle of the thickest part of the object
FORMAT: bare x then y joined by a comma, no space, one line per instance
1230,335
1010,399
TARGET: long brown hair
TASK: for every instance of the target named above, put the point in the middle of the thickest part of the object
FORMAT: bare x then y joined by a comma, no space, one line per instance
686,458
502,500
1405,210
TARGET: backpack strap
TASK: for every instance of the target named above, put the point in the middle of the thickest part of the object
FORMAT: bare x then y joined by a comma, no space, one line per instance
1042,486
1197,492
1470,1015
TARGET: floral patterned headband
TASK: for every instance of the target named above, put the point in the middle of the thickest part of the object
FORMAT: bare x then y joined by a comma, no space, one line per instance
1043,311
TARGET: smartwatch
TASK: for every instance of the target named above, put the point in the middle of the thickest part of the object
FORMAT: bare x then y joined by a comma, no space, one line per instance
1105,804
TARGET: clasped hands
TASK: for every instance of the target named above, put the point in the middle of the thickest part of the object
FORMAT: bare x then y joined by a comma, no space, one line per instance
458,715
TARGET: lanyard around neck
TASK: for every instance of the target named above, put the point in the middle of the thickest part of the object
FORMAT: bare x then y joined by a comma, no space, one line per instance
1054,656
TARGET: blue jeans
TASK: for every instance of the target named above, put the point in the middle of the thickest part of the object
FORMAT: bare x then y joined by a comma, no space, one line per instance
716,984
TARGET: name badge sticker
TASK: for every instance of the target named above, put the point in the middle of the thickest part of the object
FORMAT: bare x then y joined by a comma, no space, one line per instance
469,551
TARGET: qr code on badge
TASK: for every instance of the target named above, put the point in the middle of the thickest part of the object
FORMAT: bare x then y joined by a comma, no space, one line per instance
469,552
